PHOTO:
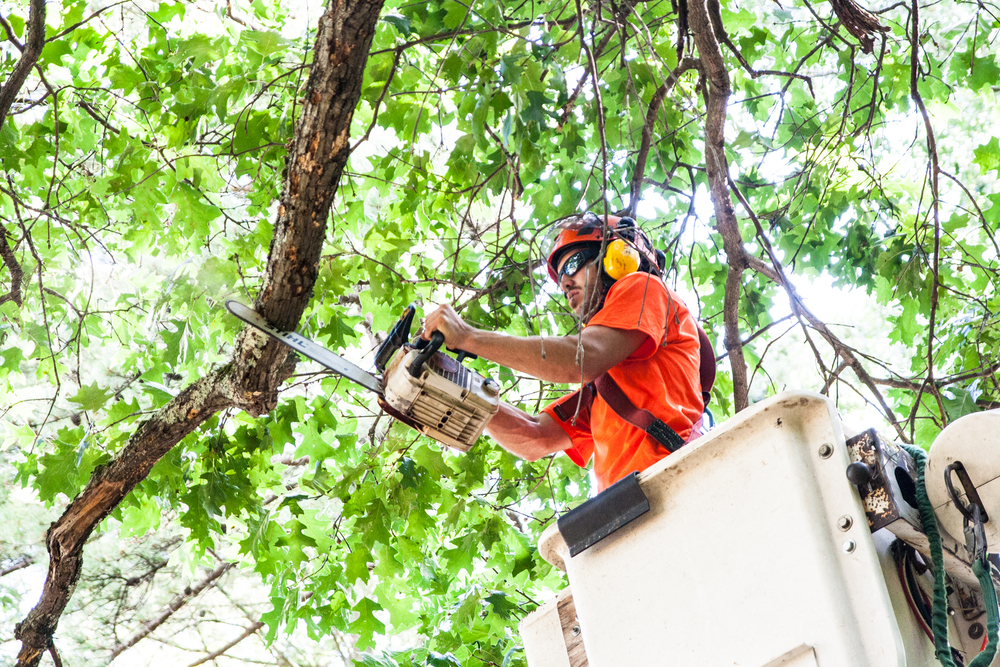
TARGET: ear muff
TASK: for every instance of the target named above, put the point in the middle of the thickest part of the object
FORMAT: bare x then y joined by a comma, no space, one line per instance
620,259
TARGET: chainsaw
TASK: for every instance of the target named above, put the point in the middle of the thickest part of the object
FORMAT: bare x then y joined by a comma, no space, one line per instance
417,384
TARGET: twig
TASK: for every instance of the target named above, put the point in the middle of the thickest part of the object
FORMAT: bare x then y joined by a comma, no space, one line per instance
175,604
215,654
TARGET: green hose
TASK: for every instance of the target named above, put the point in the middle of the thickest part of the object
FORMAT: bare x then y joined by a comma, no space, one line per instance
992,613
939,607
939,616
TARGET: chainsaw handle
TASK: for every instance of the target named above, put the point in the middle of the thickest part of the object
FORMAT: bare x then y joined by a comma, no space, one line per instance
420,343
435,343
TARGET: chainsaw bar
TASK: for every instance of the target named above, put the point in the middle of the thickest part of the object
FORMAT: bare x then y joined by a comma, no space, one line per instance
307,348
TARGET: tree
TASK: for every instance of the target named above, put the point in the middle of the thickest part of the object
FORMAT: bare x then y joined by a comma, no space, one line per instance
422,151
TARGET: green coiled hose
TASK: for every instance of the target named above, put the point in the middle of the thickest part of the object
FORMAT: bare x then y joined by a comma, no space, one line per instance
939,614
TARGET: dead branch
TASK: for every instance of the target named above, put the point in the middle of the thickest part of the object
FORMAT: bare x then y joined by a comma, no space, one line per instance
179,601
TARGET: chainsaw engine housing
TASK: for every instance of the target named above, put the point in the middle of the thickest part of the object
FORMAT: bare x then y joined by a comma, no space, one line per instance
448,401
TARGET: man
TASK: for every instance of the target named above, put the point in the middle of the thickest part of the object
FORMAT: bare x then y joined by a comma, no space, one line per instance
637,332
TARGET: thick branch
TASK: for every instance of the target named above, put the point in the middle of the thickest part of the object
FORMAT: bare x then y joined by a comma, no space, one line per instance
29,56
250,381
16,272
717,167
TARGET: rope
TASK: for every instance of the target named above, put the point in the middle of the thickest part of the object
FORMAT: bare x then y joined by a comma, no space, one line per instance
939,617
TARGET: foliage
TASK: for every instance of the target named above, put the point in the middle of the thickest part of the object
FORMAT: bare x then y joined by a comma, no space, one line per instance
143,160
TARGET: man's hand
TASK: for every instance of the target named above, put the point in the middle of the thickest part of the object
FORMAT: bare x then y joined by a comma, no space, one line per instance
457,332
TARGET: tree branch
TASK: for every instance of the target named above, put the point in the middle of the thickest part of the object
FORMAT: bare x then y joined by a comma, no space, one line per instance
19,564
215,654
647,131
29,56
16,272
717,167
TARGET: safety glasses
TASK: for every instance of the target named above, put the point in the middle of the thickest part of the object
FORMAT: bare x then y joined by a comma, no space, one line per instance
576,262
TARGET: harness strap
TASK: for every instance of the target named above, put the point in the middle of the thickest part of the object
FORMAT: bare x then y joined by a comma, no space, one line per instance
638,417
566,410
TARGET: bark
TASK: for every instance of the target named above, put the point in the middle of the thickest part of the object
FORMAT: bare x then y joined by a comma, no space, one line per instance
859,22
250,381
716,77
16,272
29,56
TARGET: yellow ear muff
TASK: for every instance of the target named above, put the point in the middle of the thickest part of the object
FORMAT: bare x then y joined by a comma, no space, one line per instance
620,259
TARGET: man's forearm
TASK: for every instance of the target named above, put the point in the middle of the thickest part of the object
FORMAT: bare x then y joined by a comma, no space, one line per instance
527,436
564,359
549,358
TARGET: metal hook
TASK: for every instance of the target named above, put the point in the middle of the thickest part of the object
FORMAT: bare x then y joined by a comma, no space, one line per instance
970,492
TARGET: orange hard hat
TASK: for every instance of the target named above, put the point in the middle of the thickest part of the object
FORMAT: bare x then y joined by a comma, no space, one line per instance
586,229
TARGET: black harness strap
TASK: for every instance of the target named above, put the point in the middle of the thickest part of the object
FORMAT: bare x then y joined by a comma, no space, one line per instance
638,417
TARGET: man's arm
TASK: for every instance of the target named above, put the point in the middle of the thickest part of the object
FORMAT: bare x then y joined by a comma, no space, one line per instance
600,349
527,436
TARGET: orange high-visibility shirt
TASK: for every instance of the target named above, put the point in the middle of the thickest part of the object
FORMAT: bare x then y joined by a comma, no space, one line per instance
661,376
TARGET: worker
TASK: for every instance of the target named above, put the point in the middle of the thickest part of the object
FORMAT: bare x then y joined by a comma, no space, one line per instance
637,332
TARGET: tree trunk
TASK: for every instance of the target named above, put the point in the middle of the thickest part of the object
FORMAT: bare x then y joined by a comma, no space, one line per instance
250,381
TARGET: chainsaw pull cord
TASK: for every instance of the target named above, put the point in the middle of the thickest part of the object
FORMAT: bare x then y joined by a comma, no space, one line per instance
939,615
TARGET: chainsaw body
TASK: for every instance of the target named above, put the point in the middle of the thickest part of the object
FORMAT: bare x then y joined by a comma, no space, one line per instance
446,400
437,394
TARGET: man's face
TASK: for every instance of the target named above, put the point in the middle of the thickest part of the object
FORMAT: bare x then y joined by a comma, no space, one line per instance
579,280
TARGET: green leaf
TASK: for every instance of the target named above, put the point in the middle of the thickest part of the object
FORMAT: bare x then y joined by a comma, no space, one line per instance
988,156
958,403
91,397
366,626
401,23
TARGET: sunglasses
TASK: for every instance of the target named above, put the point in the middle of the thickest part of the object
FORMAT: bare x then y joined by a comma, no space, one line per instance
576,262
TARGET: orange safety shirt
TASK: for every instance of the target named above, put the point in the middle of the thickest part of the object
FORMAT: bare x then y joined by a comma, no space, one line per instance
661,376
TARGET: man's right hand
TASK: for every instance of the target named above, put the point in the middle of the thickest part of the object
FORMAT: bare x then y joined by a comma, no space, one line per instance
458,334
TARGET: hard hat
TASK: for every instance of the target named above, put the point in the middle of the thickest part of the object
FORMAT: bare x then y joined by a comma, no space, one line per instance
628,248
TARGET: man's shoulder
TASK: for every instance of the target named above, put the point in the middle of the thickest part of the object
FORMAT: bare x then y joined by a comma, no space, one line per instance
638,281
